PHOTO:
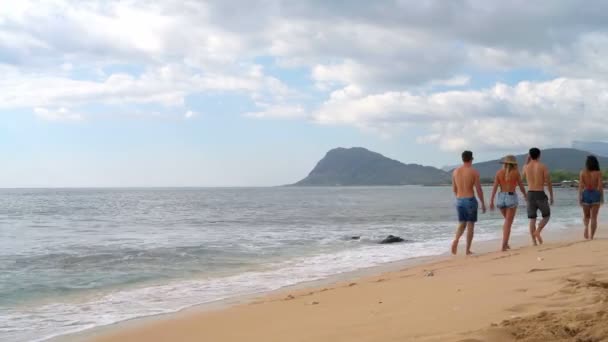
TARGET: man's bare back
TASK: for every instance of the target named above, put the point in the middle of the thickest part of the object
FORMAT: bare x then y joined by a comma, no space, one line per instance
537,175
464,180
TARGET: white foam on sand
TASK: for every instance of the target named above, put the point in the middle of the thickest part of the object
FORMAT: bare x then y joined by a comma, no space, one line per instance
42,322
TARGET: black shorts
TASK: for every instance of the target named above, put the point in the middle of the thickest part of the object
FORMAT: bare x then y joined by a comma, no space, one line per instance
537,200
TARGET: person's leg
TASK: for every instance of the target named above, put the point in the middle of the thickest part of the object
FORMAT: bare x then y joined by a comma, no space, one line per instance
595,209
545,210
470,233
459,232
506,228
532,209
586,218
533,230
540,227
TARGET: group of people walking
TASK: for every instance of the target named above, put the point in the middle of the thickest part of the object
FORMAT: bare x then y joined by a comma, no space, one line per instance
466,181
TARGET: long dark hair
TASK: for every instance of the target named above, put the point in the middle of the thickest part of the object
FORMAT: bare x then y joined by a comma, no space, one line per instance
592,164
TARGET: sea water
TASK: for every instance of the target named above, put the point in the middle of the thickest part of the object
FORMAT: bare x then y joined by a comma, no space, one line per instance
74,259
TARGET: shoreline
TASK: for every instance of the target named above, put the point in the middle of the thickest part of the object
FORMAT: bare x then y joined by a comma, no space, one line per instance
488,296
482,248
238,300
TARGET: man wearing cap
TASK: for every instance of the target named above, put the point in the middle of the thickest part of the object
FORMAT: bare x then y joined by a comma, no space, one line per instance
537,175
464,180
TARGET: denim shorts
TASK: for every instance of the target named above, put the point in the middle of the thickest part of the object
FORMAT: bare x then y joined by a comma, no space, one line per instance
591,197
467,209
507,200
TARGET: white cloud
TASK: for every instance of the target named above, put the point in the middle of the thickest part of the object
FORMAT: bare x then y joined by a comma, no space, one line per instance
377,64
456,81
530,113
166,85
58,114
270,111
190,115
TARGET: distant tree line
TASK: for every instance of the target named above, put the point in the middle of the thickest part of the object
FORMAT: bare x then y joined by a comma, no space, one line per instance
556,177
560,175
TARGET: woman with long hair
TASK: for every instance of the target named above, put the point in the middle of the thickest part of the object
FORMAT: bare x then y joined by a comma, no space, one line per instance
508,179
591,194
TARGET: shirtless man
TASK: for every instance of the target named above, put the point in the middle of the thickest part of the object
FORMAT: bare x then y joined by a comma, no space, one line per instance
537,175
464,179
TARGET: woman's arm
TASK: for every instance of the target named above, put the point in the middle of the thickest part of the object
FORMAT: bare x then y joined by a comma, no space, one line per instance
522,188
494,189
601,187
581,187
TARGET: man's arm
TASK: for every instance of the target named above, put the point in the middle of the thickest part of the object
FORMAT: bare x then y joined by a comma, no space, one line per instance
454,186
549,184
480,192
522,188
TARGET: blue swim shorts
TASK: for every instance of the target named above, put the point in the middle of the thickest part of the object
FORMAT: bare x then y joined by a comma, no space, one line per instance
467,209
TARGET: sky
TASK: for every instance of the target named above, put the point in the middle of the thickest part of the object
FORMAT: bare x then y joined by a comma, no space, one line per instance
254,92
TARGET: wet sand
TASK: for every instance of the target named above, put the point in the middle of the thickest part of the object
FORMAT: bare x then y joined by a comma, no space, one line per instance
554,292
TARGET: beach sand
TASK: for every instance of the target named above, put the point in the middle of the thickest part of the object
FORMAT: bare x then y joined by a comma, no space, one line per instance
554,292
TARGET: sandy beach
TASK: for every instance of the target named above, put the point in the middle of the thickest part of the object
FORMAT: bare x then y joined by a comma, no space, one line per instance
554,292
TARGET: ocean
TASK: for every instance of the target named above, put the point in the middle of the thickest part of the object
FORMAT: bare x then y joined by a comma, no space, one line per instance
75,259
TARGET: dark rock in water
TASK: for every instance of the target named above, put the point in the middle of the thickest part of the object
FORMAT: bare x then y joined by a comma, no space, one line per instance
392,239
355,237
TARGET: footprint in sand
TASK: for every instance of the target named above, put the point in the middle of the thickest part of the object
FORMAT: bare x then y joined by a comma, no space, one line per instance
533,270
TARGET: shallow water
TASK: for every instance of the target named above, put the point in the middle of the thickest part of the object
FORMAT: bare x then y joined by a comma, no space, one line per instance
76,259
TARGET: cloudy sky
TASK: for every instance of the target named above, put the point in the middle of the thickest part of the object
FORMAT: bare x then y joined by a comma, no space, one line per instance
248,92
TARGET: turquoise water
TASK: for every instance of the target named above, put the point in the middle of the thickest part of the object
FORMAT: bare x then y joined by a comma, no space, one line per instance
71,260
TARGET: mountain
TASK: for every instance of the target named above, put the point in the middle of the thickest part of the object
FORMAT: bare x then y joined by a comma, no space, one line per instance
449,168
597,147
564,159
359,166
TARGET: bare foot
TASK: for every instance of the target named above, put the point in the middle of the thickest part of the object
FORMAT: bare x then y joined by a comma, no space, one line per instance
586,234
454,247
534,240
505,249
539,238
470,253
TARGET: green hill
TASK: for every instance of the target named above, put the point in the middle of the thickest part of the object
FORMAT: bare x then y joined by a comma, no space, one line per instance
359,166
